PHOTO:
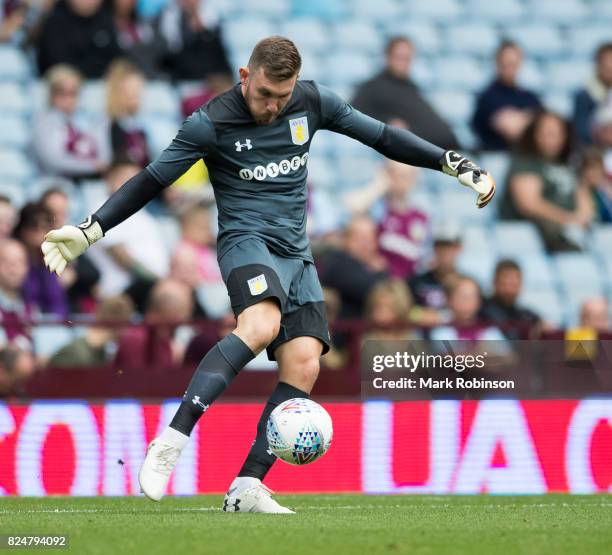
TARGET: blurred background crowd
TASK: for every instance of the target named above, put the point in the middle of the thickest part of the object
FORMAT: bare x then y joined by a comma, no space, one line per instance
92,90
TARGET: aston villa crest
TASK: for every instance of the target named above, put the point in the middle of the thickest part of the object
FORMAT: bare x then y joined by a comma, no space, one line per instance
299,130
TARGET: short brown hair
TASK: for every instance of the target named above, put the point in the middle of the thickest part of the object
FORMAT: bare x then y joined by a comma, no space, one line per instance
394,41
119,308
52,191
590,156
278,56
506,264
506,44
603,49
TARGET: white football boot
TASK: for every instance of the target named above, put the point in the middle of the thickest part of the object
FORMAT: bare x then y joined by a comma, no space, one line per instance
249,495
162,456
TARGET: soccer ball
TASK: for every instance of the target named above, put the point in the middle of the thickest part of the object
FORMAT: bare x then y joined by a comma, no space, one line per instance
299,431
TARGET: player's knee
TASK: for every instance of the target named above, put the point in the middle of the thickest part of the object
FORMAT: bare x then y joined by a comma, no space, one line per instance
267,331
303,373
258,335
309,371
259,324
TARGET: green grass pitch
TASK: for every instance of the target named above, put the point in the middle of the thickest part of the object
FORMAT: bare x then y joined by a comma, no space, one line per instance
324,524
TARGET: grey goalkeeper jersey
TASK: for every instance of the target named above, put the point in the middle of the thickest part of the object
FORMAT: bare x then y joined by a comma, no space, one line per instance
259,172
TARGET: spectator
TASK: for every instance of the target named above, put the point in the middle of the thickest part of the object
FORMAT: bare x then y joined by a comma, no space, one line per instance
464,301
337,356
133,253
201,93
597,92
402,228
20,19
429,287
210,299
602,133
127,26
56,201
388,309
41,288
12,20
198,243
594,323
80,33
586,357
95,347
8,217
61,143
197,237
156,344
81,277
135,36
356,268
595,315
16,367
542,187
124,86
194,48
15,310
207,337
392,94
593,179
184,268
503,309
504,109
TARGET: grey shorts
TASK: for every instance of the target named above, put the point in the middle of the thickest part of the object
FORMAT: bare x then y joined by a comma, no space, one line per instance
253,273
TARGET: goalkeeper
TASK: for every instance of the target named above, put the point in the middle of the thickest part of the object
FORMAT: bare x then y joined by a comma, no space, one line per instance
255,139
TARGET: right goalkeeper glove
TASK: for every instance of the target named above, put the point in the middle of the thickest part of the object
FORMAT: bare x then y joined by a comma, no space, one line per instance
470,175
67,243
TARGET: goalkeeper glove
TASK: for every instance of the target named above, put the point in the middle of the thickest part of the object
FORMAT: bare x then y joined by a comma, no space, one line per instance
470,175
67,243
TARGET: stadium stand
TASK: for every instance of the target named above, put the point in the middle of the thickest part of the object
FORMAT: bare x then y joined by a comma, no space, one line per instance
342,45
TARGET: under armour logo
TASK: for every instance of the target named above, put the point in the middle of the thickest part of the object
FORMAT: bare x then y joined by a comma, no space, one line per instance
85,223
247,144
234,505
453,160
196,401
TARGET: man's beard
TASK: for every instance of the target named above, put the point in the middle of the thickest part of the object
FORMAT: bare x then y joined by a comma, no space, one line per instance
259,120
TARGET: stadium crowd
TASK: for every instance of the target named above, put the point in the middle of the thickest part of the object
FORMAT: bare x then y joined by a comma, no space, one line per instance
384,260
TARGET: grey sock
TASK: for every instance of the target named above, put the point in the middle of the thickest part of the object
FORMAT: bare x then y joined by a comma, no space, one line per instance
216,371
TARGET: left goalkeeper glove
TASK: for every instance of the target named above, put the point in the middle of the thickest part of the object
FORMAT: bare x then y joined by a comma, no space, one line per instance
67,243
470,175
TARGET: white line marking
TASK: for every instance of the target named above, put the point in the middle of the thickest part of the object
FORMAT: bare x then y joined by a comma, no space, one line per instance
322,507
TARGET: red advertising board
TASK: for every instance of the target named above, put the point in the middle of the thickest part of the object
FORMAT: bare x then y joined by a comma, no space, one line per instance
497,446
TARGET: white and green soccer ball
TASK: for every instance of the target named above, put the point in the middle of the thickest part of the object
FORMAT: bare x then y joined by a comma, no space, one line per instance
299,431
